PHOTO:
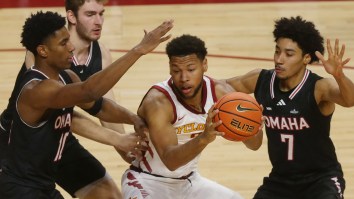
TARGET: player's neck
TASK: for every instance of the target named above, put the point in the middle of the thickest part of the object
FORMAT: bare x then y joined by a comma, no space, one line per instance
82,50
291,82
82,46
50,71
197,107
195,102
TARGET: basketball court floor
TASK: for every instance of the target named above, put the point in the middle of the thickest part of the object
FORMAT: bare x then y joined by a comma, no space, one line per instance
238,35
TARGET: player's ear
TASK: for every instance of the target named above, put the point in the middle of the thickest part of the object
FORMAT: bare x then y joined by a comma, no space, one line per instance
205,65
71,17
41,50
307,59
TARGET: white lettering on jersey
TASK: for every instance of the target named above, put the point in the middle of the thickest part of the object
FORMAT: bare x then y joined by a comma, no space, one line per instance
286,123
63,121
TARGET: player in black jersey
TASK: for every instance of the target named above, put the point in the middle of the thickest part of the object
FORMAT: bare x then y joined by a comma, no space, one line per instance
41,121
85,21
298,107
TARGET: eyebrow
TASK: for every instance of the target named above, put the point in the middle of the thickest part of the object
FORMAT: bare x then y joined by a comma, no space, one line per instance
286,49
94,11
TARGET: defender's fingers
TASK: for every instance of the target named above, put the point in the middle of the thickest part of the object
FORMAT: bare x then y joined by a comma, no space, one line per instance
329,48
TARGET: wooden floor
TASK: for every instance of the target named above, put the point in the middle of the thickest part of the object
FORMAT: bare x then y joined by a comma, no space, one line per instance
238,37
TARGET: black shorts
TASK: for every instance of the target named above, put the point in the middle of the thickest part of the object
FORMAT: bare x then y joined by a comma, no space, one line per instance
327,185
78,167
9,189
4,138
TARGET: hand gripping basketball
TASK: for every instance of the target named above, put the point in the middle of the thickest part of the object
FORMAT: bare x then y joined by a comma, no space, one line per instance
240,114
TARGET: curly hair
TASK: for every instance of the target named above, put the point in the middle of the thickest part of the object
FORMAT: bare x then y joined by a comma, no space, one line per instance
38,27
186,45
302,32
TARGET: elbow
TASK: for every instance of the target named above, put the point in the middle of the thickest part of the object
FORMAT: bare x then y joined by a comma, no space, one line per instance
91,93
255,142
170,163
349,104
255,147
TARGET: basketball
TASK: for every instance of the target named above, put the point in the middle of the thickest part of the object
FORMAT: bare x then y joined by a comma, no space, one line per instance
240,115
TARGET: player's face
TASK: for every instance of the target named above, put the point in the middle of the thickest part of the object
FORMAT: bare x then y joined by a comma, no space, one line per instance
59,49
90,20
289,59
187,74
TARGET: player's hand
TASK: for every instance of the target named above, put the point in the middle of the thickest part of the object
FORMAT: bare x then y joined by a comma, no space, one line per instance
153,38
210,132
132,142
334,64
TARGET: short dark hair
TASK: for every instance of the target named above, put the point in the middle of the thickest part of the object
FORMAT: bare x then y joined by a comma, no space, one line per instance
302,32
38,27
186,45
74,5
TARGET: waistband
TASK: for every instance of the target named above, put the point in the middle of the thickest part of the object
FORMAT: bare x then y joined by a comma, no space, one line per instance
185,177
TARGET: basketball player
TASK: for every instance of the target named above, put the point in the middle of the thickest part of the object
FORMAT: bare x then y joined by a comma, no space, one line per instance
85,22
85,19
179,114
41,122
298,107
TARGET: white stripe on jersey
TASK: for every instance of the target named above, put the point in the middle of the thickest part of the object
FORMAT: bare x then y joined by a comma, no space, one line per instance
295,91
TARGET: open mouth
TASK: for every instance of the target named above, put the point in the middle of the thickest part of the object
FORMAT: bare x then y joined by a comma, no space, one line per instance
186,90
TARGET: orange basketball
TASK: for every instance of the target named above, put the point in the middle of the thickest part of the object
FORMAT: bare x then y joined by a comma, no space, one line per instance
240,114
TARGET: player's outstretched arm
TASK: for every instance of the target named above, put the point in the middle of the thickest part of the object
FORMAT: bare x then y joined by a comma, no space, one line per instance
110,111
52,94
101,82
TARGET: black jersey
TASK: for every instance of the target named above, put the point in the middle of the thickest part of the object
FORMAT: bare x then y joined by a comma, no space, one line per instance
93,63
298,133
35,151
6,115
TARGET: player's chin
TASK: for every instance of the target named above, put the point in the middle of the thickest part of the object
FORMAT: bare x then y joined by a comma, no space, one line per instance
67,65
95,37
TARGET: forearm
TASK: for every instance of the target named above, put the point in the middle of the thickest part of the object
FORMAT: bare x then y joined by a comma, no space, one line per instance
346,88
255,142
119,128
124,155
87,128
113,112
101,82
176,156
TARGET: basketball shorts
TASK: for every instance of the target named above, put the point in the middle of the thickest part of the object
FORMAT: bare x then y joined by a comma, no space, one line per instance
4,138
329,185
141,185
78,167
9,189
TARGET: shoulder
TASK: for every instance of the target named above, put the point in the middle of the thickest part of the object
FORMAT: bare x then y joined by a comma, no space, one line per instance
106,55
103,48
156,98
222,88
155,102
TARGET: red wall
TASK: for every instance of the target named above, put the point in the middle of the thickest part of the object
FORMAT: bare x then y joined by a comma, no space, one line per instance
59,3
